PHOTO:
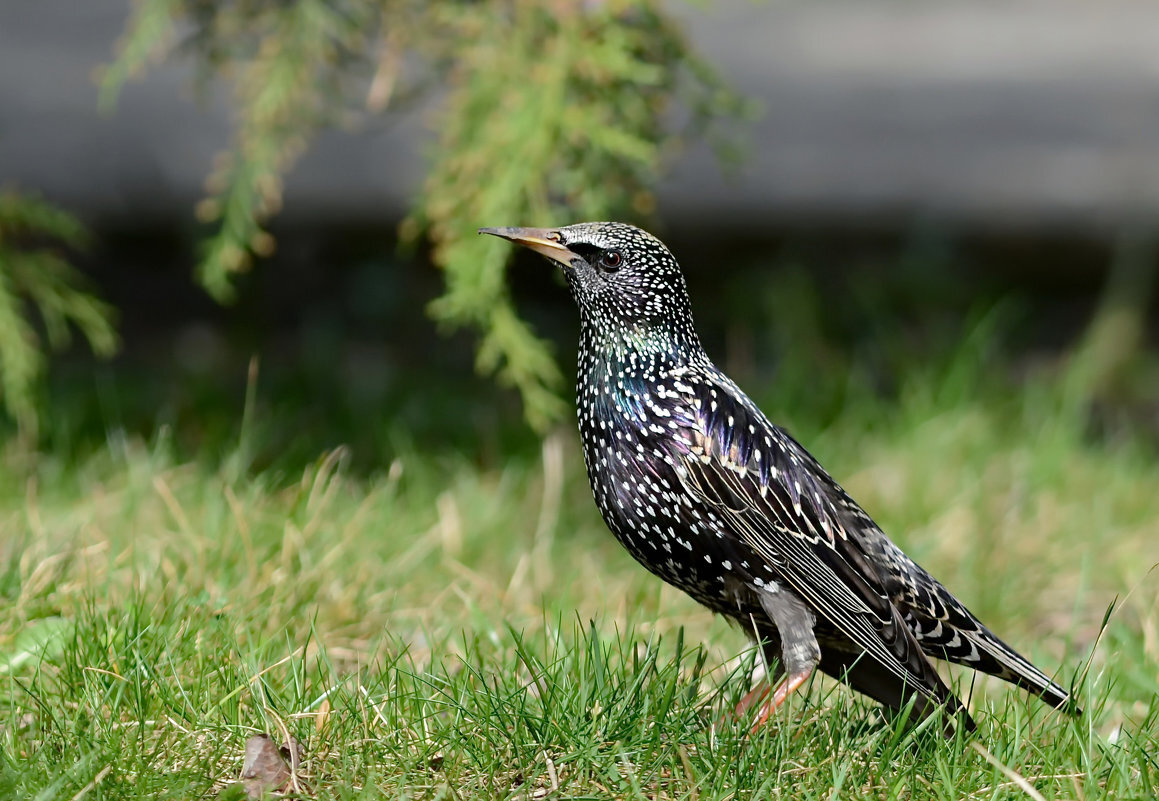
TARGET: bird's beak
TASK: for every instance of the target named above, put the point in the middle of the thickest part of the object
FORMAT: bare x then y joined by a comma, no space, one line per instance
542,240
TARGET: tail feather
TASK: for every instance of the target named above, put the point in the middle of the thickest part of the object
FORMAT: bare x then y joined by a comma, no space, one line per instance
959,637
999,659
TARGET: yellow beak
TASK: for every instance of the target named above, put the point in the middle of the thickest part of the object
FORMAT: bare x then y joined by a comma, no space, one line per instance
542,240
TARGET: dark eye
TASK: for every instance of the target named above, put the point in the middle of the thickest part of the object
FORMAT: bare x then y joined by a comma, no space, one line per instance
611,260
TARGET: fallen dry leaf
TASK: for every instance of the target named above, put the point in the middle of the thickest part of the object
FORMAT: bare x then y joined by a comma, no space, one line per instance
265,768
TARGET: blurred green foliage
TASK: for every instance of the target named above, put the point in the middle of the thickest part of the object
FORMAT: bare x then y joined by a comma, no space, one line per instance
34,273
549,113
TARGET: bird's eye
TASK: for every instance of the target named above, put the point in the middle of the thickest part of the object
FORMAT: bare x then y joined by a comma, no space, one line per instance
611,260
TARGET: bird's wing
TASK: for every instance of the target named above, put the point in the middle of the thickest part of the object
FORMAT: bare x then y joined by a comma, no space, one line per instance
774,496
942,625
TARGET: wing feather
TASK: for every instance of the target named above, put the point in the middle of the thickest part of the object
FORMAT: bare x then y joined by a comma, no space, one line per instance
765,486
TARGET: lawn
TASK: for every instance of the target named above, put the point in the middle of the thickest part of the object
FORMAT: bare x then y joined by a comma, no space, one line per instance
445,626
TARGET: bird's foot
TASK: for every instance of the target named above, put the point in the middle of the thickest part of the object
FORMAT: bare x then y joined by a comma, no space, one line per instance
791,683
755,696
751,699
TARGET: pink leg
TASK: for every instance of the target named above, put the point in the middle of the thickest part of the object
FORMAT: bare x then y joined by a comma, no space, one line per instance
794,681
755,696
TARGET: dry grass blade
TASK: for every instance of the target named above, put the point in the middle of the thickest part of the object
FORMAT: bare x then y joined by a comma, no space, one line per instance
1019,780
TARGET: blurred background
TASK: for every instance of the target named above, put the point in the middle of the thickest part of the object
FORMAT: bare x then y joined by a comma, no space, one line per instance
900,170
269,405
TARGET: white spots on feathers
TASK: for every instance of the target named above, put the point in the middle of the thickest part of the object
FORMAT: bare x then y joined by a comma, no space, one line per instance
646,395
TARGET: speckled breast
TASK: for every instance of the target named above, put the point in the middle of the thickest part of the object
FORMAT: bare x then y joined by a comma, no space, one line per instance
638,492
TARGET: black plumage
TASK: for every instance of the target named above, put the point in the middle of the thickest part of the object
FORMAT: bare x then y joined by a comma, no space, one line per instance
710,496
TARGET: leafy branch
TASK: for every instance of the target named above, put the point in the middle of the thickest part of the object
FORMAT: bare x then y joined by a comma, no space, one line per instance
552,112
33,272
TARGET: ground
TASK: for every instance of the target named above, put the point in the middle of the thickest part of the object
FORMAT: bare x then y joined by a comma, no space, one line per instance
444,626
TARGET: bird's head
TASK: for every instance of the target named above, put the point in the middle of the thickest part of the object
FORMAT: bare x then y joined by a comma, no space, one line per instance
625,281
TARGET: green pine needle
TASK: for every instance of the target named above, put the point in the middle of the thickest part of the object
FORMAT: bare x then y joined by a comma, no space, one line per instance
33,274
552,113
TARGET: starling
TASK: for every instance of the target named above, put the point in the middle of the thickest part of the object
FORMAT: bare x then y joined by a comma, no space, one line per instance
710,496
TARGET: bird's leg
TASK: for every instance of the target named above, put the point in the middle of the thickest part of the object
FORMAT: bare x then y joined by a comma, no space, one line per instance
754,696
791,683
800,652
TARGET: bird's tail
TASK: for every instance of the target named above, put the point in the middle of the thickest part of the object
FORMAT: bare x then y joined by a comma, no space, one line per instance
946,629
998,659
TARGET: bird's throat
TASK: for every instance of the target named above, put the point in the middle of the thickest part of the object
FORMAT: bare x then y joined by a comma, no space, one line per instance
616,371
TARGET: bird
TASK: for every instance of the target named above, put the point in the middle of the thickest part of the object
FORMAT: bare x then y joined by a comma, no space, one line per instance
710,496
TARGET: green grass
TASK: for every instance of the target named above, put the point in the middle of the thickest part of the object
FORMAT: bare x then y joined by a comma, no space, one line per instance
442,628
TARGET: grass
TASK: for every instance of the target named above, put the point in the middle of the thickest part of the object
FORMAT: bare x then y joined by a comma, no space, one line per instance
441,628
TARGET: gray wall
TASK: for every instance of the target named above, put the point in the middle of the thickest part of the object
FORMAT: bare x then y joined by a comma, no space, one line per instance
1027,114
